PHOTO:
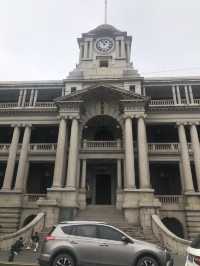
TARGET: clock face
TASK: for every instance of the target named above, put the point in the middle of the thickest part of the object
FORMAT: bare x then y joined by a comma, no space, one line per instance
104,45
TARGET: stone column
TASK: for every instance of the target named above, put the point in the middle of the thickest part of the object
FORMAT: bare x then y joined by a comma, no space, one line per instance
143,155
83,174
189,187
20,98
119,174
31,98
60,155
73,152
191,94
23,159
174,94
178,95
35,97
196,151
186,94
11,159
129,154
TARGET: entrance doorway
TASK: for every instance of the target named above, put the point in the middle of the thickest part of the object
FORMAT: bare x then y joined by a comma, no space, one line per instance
103,189
101,182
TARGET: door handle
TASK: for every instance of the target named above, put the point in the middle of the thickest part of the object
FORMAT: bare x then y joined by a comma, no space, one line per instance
73,242
103,245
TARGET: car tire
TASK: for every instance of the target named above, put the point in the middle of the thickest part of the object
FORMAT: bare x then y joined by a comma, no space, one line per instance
64,259
147,261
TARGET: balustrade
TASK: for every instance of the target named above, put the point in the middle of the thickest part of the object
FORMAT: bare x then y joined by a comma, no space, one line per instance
170,199
166,147
102,145
33,197
166,102
49,147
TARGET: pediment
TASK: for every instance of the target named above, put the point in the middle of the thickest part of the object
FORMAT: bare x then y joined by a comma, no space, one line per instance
100,91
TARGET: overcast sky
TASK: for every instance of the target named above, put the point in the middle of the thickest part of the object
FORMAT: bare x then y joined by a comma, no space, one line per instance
38,37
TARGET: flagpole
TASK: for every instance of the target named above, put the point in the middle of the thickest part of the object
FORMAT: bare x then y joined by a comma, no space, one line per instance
106,11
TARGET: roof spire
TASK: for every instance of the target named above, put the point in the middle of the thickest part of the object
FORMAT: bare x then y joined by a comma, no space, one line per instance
106,11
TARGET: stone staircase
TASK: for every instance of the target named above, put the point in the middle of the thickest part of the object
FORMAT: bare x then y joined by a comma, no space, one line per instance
193,224
9,220
112,216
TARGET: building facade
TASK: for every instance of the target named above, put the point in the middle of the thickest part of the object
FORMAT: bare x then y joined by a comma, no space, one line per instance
102,136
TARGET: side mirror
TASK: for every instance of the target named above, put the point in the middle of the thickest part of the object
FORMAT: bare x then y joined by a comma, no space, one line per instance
126,240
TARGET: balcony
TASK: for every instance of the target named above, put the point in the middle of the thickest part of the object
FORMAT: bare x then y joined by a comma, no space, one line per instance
89,145
39,106
170,148
171,202
156,105
95,146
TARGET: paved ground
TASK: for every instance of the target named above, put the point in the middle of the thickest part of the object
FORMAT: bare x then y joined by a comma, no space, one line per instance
29,258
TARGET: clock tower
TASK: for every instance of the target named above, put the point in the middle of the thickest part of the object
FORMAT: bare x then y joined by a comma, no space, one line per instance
104,53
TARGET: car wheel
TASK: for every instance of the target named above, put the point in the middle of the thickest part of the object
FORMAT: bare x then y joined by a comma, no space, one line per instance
147,261
63,259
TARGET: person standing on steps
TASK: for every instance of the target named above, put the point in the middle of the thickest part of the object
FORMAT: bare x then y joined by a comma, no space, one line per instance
16,248
35,240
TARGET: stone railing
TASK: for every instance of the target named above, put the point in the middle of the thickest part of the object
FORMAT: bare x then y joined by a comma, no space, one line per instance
197,101
170,199
169,102
38,105
43,147
33,197
101,145
36,225
4,147
166,147
167,238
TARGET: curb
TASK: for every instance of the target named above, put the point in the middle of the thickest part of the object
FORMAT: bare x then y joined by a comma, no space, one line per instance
17,263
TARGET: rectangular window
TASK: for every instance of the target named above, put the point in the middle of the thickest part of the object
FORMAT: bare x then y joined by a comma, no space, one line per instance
103,63
73,89
88,49
132,88
120,48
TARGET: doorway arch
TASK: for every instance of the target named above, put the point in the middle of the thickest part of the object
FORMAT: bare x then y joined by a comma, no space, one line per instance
102,128
174,225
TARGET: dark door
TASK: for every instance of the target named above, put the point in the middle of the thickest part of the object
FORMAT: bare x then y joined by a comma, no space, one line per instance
103,189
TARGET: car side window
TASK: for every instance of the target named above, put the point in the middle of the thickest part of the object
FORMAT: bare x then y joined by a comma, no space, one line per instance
67,229
109,233
85,230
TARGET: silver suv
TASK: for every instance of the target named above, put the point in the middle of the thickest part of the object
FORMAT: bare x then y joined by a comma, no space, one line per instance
99,244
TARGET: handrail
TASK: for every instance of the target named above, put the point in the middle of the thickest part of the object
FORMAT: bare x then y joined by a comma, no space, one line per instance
167,238
169,199
37,224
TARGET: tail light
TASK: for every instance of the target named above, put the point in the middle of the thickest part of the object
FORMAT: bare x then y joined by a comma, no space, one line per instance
197,260
48,238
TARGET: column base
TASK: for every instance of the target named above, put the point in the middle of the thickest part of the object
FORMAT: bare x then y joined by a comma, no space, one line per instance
82,199
130,206
148,206
119,199
51,209
66,197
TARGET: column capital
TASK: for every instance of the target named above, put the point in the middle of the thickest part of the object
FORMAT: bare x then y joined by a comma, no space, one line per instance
194,123
140,116
183,123
60,117
27,125
16,125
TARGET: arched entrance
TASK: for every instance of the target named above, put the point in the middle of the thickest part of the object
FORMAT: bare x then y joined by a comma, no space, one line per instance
101,175
28,219
102,128
174,226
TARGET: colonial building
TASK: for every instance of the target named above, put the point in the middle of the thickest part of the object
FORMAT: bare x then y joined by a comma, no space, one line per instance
103,136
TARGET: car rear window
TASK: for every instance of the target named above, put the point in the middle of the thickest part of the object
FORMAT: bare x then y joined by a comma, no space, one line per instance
196,242
51,230
67,229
